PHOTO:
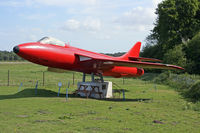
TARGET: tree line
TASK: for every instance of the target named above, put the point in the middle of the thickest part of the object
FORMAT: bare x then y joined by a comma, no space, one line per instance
9,56
175,38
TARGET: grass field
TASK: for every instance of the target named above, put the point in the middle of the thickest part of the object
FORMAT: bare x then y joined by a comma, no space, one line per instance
147,108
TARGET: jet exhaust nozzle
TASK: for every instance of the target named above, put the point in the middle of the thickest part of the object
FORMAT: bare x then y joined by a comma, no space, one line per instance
16,49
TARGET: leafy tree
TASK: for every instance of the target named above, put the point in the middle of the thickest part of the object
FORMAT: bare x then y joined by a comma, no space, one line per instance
151,51
175,56
177,22
5,57
193,54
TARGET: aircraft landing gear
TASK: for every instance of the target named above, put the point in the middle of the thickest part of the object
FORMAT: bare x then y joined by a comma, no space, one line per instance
92,77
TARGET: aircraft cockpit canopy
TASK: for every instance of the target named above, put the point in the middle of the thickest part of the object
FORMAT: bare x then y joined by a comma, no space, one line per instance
51,40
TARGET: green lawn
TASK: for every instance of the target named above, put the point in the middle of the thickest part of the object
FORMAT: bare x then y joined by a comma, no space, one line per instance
148,107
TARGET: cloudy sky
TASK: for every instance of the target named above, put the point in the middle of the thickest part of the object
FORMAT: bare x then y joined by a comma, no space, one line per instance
98,25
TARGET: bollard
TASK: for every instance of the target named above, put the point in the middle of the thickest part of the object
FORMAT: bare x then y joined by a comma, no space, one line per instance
123,95
20,87
66,94
59,84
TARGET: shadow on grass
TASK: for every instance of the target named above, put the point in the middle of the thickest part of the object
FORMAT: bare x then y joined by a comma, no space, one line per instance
30,92
120,90
127,100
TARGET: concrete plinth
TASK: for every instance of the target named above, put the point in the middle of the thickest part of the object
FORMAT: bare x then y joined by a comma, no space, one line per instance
95,89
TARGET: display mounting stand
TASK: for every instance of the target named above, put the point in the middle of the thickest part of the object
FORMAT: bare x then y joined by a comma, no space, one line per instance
95,88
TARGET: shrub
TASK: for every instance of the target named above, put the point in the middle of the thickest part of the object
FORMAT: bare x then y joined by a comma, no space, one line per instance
194,92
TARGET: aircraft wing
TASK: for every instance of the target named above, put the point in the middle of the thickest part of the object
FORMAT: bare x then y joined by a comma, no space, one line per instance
140,64
111,62
143,59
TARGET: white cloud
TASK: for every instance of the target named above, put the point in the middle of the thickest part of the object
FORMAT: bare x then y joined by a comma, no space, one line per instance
17,3
103,37
92,24
138,18
156,2
65,2
88,24
38,16
36,3
12,3
72,24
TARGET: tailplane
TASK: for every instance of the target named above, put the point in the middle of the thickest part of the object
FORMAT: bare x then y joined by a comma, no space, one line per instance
133,52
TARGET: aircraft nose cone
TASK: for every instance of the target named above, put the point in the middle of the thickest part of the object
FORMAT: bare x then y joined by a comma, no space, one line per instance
16,49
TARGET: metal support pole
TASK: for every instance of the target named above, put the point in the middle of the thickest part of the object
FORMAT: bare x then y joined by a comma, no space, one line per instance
59,84
123,80
84,77
59,92
101,76
66,94
92,77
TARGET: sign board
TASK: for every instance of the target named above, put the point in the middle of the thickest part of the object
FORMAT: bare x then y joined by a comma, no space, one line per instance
59,84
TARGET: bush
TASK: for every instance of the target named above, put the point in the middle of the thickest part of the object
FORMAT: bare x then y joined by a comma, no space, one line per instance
187,85
175,56
162,78
193,92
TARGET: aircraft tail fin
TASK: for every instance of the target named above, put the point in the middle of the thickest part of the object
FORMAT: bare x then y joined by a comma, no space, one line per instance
133,52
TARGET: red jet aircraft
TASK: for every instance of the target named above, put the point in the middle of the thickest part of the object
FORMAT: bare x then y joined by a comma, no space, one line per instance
59,55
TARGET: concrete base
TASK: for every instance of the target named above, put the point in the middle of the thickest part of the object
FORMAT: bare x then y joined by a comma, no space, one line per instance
95,89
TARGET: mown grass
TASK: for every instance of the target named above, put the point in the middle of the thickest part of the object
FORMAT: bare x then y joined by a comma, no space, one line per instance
148,107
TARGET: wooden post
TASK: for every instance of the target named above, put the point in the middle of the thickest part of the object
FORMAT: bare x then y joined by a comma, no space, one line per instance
8,77
43,79
36,86
73,79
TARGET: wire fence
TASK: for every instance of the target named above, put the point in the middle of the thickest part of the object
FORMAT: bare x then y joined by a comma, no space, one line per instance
44,78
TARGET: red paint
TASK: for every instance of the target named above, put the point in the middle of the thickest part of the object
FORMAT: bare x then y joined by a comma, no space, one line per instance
75,59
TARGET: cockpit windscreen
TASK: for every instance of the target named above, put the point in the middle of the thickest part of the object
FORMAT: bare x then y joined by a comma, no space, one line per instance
51,40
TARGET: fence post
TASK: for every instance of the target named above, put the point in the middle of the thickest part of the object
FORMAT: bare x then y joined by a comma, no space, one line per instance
43,79
73,78
36,86
8,77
